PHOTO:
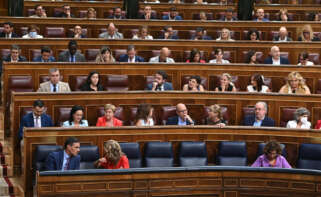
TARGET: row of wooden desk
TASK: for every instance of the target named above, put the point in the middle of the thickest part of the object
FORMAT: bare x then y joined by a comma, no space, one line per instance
121,181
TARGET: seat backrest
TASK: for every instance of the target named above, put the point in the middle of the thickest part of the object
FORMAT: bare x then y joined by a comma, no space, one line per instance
315,58
167,111
76,82
91,54
4,53
132,151
309,156
260,149
287,113
119,52
117,83
63,115
55,32
88,155
159,154
192,154
232,154
19,83
41,154
318,87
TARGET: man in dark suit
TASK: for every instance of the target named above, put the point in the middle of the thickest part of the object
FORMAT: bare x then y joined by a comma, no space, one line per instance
159,83
37,118
275,57
148,13
117,14
283,35
200,34
259,119
14,55
228,15
66,12
168,34
172,15
182,117
67,159
45,55
131,56
8,31
72,55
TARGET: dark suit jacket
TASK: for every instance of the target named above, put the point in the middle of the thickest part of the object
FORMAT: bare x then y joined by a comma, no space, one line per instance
63,15
39,59
177,18
27,121
167,86
124,58
113,17
71,35
152,16
13,35
20,59
203,38
282,60
55,161
276,38
267,121
173,37
174,121
65,55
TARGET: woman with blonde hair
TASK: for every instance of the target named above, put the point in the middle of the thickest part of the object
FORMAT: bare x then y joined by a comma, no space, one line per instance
105,55
108,120
114,158
91,13
143,34
225,35
295,85
215,116
226,84
306,34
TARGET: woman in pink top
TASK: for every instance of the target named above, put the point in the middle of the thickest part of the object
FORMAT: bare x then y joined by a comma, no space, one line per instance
272,157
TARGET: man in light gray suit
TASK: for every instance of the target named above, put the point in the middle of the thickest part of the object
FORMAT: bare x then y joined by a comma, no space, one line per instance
72,55
163,57
54,84
111,33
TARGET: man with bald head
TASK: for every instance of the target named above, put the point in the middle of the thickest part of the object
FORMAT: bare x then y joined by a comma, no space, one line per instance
111,33
283,35
163,57
259,119
275,58
182,117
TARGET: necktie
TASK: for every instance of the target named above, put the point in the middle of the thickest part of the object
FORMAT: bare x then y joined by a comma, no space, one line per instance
54,87
37,122
66,167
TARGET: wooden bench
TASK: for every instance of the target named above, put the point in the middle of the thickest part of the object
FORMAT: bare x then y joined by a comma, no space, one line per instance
95,27
186,10
211,135
202,181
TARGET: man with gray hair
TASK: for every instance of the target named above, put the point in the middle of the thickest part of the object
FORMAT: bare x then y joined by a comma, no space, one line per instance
283,35
275,57
54,84
259,119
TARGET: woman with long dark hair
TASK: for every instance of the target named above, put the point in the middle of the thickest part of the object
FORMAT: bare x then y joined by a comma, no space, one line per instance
76,118
144,116
92,83
257,84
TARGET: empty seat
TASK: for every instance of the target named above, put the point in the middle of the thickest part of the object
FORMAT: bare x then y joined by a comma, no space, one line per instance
63,115
232,154
159,154
132,151
41,154
77,81
309,156
260,149
88,155
19,83
167,111
91,54
55,32
192,154
117,83
315,58
287,113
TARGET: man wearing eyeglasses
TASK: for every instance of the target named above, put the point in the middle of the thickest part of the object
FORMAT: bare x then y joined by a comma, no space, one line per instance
66,12
182,117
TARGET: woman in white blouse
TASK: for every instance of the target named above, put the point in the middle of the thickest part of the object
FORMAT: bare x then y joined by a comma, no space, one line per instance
143,34
304,59
257,84
300,121
144,116
219,53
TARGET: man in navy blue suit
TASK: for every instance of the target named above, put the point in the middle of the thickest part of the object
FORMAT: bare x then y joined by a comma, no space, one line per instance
182,117
259,119
275,57
45,55
37,118
172,15
200,34
159,83
169,34
67,159
131,56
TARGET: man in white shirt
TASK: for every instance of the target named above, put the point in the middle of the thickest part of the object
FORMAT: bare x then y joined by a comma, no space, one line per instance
163,57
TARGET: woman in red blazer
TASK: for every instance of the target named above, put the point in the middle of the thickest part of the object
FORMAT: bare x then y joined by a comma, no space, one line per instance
318,125
108,120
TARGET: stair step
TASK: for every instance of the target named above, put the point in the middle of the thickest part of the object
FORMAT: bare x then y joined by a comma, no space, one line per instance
6,171
6,187
5,160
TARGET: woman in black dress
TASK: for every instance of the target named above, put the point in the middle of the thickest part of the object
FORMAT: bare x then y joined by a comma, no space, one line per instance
92,83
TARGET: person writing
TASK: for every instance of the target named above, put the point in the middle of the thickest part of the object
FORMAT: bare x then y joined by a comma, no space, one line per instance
114,158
